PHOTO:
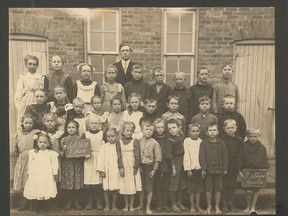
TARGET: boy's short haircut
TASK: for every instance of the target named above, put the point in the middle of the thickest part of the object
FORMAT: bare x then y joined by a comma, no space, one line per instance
110,66
135,95
137,66
173,121
204,98
116,98
78,100
229,121
41,90
229,96
128,124
159,120
59,87
230,66
124,44
202,68
31,57
150,100
95,96
173,97
253,130
194,125
179,73
146,123
212,124
157,69
47,115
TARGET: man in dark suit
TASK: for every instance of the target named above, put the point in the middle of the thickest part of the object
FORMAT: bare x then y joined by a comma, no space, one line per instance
124,66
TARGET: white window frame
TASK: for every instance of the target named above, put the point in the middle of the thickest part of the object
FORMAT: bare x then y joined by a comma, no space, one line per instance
88,51
191,54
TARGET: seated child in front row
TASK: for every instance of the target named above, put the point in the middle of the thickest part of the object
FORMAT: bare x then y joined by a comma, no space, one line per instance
234,144
229,112
172,113
195,185
213,159
162,176
253,156
92,178
177,179
150,155
129,165
107,165
42,173
204,118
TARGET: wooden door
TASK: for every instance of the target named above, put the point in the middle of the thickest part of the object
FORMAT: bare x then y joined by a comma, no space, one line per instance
255,76
19,47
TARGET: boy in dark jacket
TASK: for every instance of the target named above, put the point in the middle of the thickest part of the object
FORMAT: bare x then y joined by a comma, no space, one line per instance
253,156
213,158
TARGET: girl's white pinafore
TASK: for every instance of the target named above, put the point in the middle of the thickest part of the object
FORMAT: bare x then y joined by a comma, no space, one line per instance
42,166
134,117
129,184
108,163
91,176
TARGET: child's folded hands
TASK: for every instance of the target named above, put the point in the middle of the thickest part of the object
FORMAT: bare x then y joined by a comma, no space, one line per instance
121,171
190,174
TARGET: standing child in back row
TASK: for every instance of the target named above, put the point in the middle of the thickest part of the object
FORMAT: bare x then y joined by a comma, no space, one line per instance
159,90
200,89
86,88
182,92
223,88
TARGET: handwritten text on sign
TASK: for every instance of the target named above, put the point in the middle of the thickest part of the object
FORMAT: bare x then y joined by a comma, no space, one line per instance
254,177
77,148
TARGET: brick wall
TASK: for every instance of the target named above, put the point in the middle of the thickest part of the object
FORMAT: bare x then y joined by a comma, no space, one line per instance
64,29
220,27
142,28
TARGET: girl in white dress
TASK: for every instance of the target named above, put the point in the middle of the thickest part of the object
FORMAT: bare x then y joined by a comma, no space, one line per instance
107,165
42,170
129,163
133,114
92,178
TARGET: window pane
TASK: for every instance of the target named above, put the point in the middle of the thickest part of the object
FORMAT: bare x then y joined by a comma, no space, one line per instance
185,63
97,62
171,64
96,41
172,22
186,43
172,43
96,21
109,21
109,59
186,22
110,41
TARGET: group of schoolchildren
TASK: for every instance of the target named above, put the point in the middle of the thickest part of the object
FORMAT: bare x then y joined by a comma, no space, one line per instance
150,140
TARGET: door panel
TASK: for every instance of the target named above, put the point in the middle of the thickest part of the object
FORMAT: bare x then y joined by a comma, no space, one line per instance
255,76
